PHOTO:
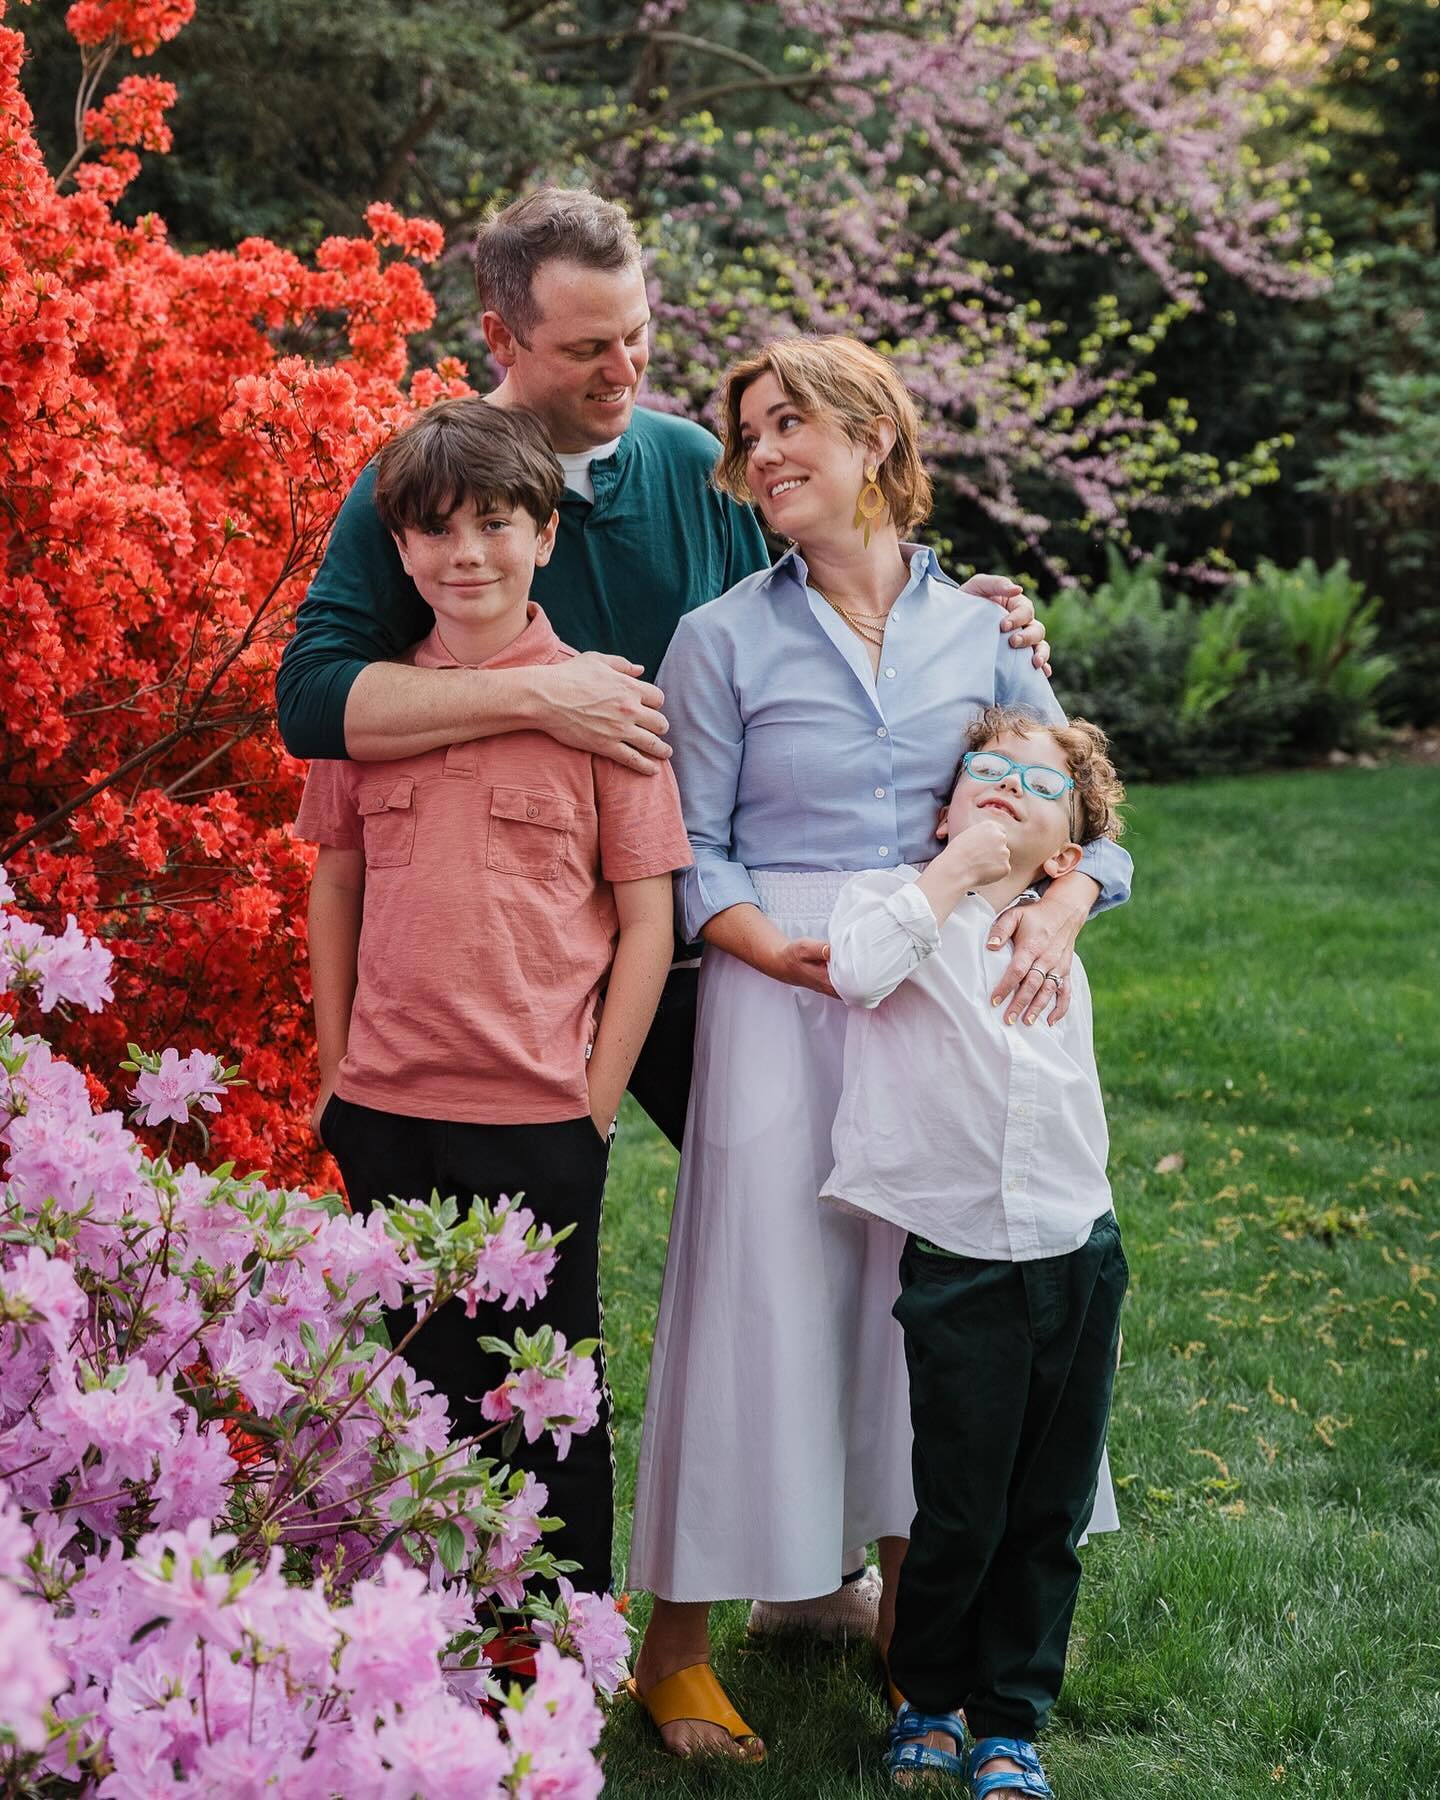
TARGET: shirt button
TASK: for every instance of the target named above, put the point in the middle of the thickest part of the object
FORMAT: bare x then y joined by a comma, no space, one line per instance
890,673
532,812
880,731
884,849
879,793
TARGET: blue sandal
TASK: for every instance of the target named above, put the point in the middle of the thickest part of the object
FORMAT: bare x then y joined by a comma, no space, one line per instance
1031,1781
906,1754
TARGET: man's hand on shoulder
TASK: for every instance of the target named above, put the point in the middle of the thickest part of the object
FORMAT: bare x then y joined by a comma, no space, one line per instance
1019,620
599,703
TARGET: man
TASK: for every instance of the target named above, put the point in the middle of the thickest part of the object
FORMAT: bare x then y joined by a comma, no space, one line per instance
643,538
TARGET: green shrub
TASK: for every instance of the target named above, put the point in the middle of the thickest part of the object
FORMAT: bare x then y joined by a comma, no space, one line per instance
1327,631
1284,669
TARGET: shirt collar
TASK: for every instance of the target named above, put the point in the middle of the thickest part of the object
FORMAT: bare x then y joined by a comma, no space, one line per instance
537,643
605,471
923,563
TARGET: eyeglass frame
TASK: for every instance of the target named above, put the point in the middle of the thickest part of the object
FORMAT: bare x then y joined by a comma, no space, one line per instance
1020,769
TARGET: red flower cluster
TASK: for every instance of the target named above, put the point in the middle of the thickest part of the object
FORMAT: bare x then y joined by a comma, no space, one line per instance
142,24
134,114
176,433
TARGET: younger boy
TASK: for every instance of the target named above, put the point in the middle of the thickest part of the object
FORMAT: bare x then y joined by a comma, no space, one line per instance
988,1146
468,906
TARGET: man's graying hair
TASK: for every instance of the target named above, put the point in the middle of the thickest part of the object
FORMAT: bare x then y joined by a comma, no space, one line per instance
553,224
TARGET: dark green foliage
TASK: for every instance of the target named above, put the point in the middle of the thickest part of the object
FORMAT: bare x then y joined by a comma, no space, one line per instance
293,117
1284,670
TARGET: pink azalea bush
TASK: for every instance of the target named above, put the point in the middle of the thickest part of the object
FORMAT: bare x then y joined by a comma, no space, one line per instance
239,1551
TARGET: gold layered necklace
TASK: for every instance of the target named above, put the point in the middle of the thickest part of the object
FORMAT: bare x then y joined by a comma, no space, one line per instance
870,626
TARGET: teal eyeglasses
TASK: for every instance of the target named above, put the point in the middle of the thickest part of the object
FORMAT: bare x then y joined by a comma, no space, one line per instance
1036,778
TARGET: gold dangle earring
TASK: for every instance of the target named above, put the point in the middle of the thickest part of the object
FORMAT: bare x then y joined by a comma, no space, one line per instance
871,504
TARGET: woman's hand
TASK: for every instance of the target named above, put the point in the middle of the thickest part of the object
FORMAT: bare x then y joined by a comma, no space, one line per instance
1043,936
1019,620
802,963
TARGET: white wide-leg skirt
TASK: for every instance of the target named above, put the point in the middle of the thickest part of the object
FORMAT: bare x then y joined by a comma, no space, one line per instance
777,1423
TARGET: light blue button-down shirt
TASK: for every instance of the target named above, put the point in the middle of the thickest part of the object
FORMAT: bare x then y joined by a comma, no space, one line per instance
791,754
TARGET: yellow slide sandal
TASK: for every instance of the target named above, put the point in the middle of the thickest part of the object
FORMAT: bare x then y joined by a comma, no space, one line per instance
694,1693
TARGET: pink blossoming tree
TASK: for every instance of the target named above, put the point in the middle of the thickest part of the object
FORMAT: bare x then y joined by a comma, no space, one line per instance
939,163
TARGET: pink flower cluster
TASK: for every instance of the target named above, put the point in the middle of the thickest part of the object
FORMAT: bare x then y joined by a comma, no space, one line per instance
70,968
239,1551
170,1089
557,1394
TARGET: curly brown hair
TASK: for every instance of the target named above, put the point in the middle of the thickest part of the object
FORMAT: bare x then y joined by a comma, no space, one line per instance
1099,791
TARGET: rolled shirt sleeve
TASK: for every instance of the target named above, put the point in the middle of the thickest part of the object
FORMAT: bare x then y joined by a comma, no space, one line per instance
708,735
881,930
1019,683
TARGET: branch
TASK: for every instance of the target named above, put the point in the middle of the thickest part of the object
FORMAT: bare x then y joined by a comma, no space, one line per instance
137,761
683,40
301,552
524,13
699,97
417,130
93,64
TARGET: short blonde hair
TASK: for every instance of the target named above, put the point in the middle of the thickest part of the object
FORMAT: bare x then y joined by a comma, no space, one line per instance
1099,791
847,384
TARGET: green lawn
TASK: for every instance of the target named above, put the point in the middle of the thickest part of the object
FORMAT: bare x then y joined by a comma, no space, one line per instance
1268,1620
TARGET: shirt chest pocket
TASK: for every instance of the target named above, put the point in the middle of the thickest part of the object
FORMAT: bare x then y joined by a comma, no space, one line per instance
387,811
529,832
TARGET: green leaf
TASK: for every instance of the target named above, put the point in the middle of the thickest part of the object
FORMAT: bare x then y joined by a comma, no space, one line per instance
450,1542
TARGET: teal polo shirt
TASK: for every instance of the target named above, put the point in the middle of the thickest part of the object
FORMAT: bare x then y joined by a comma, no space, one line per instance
657,541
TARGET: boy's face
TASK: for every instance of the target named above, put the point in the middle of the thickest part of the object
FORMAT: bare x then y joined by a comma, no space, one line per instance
475,567
1039,830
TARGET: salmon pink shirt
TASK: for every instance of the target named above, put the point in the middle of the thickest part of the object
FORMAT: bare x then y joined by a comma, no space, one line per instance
489,922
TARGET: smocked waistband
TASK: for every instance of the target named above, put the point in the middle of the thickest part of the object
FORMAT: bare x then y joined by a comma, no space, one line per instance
799,894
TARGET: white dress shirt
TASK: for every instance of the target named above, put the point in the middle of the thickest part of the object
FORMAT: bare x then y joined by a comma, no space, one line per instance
985,1139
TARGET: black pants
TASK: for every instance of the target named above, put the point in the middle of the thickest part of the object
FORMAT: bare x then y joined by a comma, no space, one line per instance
661,1081
561,1170
1011,1369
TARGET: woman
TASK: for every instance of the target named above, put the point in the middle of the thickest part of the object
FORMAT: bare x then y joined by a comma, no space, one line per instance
818,711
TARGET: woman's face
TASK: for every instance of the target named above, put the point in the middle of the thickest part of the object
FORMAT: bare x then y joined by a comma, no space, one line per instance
804,472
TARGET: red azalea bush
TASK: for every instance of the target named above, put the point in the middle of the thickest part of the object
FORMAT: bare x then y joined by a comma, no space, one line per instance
176,433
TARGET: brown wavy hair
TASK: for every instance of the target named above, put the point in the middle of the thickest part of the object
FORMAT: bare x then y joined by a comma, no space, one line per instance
847,384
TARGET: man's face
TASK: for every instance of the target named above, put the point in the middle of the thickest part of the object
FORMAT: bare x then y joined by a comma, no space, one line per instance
1037,829
583,365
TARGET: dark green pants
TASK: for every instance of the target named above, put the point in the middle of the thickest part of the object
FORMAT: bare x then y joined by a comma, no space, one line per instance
1011,1370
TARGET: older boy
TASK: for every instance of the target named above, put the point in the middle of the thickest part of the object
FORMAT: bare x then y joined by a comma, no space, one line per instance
989,1147
469,904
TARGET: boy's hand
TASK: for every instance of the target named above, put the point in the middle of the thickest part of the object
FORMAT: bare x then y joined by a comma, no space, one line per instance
322,1100
983,851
